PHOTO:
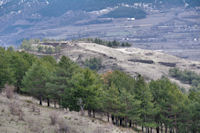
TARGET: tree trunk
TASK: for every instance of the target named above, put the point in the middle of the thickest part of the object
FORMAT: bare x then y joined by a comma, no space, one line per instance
170,131
18,90
142,129
59,103
82,111
40,100
157,129
161,128
108,116
151,130
113,119
146,129
48,102
116,120
120,121
126,121
55,104
130,123
93,113
165,129
89,113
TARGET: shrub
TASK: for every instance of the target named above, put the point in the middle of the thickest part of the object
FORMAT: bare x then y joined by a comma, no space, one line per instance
35,109
34,126
9,90
93,63
63,128
15,109
186,76
54,118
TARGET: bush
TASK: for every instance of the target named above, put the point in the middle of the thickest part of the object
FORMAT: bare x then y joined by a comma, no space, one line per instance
63,128
9,90
54,118
35,109
34,126
15,109
188,77
93,63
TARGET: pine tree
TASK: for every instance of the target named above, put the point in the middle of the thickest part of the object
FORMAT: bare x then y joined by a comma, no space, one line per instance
34,81
6,73
143,94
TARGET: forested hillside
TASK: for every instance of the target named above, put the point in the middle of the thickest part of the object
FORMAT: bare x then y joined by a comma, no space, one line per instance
130,102
185,76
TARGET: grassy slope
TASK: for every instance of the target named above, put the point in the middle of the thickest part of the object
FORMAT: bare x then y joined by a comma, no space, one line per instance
40,122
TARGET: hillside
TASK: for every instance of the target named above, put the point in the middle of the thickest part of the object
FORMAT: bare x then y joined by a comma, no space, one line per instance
38,120
150,64
121,95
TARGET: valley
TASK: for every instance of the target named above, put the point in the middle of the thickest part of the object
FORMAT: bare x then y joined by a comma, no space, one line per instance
171,30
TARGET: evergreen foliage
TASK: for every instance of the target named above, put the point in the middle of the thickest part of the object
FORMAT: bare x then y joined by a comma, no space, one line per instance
113,43
93,63
133,102
186,76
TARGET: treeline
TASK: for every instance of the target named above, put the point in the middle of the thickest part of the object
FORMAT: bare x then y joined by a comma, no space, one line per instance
129,102
107,43
93,63
186,76
34,45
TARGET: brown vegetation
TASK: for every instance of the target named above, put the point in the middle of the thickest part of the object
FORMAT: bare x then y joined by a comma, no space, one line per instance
63,128
54,117
15,109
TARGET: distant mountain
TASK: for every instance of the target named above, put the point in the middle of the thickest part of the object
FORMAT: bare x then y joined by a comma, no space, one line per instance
21,19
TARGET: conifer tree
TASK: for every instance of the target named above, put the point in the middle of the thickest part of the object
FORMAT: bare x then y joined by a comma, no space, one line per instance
34,81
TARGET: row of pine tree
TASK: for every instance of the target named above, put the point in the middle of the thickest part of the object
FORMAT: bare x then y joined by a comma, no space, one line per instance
130,102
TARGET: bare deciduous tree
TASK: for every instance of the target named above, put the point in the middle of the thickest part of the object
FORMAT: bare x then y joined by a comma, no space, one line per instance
9,90
81,104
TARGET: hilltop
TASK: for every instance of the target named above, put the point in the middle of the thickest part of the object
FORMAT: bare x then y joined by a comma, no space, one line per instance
149,63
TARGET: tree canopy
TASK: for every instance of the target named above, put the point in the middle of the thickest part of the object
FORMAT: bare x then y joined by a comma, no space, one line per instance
158,105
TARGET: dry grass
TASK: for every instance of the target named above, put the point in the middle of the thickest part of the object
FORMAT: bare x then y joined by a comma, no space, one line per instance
15,109
54,117
35,109
62,127
100,130
18,116
34,126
